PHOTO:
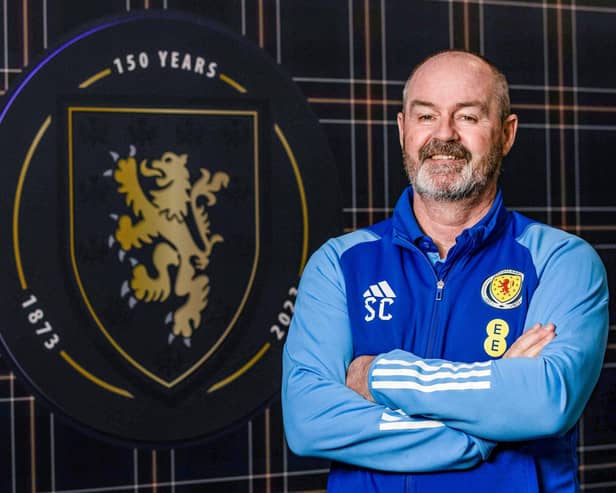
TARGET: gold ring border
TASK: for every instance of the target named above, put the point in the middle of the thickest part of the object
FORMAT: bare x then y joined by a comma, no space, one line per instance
22,279
18,192
302,195
238,373
101,383
95,78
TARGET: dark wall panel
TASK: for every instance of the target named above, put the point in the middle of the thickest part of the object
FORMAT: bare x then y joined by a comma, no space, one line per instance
350,58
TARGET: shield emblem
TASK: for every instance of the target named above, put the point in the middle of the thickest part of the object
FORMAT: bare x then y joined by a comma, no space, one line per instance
163,228
506,287
503,289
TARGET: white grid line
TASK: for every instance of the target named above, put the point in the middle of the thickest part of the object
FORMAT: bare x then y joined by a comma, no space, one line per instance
267,449
598,448
12,400
603,465
550,126
136,469
593,486
342,80
581,457
546,100
195,482
451,33
352,110
285,464
45,34
278,34
532,5
243,10
530,87
172,466
605,208
536,126
576,130
251,474
12,411
52,451
482,45
6,45
513,87
342,121
385,127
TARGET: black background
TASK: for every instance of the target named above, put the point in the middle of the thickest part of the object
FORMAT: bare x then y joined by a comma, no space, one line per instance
350,58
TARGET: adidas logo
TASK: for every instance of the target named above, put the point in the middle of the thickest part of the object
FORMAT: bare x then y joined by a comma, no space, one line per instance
377,299
380,290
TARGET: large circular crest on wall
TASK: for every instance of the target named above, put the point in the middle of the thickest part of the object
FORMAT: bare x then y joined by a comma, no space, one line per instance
163,185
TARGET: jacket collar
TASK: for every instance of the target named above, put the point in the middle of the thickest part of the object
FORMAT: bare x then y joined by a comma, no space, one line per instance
406,227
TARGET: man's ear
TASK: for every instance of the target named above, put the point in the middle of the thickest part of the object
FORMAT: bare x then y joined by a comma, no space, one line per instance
510,128
401,129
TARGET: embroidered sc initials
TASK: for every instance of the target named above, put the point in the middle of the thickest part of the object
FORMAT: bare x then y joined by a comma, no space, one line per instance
377,298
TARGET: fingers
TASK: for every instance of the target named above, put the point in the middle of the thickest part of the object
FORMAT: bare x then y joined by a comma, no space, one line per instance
357,376
545,335
531,343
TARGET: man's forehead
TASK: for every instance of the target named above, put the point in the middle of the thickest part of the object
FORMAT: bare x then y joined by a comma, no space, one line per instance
479,104
454,62
455,78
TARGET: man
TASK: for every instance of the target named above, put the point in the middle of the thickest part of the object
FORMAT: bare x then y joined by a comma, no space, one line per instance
407,363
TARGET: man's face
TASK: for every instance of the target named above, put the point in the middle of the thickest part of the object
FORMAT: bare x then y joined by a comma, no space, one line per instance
452,138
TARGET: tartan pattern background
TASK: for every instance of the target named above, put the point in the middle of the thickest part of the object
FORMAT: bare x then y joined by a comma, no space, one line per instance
351,58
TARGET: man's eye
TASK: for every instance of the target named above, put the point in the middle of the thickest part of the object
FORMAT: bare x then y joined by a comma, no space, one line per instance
469,118
426,118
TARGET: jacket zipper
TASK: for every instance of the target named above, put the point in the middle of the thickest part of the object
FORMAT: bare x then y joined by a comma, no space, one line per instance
439,290
440,286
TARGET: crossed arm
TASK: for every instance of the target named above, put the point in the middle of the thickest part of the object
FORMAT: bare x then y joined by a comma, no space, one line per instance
538,390
324,418
521,398
528,345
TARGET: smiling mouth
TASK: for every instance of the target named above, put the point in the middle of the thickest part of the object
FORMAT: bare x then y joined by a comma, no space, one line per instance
445,157
445,161
444,152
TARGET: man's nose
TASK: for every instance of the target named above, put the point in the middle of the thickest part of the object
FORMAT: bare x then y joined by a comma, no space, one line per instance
446,130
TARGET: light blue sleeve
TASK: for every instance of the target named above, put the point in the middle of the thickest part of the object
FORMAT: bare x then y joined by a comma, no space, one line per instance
517,398
323,418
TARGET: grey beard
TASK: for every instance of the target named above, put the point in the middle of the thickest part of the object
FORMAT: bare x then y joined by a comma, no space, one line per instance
471,180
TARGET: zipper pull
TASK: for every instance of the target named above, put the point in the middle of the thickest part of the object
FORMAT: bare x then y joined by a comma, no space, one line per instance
439,290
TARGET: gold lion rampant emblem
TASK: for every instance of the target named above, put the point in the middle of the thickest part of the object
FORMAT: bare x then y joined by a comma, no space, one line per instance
162,221
503,289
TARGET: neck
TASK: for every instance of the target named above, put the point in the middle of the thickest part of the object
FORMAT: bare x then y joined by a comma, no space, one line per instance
444,221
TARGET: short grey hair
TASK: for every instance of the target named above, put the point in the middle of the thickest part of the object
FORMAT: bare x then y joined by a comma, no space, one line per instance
500,82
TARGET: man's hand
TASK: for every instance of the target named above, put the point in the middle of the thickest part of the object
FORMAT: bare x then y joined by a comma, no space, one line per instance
530,344
357,376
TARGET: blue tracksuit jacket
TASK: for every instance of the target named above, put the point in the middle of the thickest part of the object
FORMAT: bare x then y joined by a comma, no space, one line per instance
450,413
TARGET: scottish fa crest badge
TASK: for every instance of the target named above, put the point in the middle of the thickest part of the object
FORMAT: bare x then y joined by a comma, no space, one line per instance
159,207
171,220
504,289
